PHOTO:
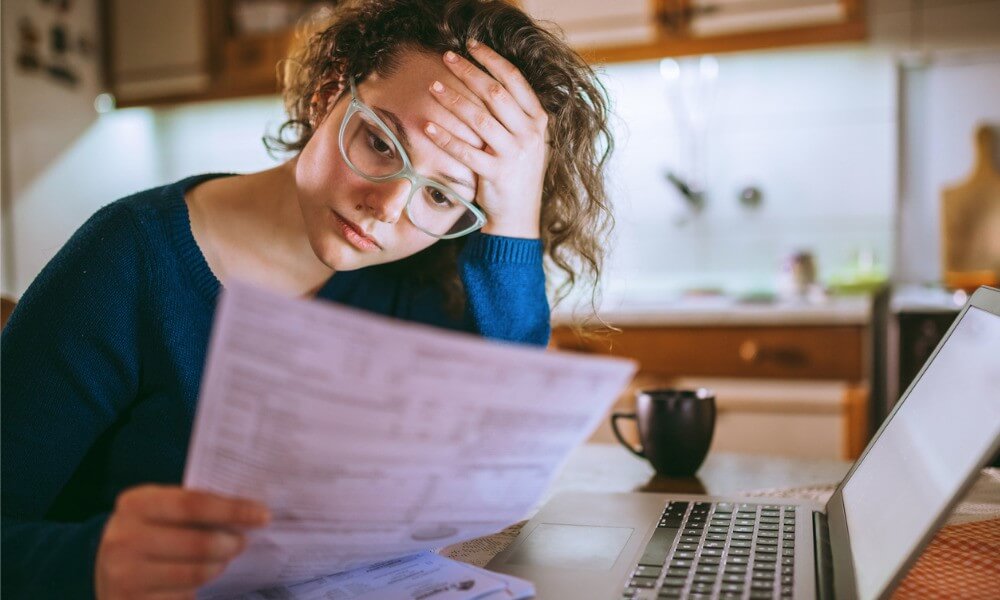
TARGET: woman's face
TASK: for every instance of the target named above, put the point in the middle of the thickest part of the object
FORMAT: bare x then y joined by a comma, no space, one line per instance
352,222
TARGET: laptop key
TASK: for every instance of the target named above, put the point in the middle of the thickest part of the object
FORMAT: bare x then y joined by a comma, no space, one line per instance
658,547
674,582
646,571
642,582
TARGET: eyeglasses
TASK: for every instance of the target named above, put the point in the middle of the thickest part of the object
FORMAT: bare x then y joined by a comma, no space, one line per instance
372,151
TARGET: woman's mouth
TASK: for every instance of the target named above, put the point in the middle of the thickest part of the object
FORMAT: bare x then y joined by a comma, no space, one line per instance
353,234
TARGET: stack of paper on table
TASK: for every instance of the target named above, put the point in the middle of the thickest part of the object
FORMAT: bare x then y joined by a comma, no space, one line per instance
372,439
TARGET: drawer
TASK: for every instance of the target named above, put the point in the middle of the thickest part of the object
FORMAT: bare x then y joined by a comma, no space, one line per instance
798,352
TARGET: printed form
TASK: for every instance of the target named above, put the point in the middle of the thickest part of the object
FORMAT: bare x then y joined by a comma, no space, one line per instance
371,438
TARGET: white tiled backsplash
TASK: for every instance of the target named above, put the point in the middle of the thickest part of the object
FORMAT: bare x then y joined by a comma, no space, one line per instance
815,130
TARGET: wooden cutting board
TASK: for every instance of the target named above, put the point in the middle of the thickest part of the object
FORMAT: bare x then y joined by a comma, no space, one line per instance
970,222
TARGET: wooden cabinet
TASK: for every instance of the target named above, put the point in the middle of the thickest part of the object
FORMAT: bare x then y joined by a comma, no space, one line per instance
799,352
156,49
792,390
645,29
169,51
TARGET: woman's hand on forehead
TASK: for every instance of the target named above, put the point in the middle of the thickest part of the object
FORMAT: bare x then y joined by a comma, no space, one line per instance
513,124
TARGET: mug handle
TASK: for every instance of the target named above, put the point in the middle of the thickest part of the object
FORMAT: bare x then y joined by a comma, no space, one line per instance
640,452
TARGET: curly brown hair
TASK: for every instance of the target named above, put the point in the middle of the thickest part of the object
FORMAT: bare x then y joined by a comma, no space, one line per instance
368,36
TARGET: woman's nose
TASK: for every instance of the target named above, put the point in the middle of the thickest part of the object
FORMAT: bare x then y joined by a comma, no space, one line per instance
387,200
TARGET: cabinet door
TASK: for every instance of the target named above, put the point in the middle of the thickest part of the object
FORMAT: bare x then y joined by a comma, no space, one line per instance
727,17
157,48
598,23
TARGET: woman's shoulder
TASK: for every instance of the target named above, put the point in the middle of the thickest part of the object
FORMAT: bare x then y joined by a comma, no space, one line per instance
160,201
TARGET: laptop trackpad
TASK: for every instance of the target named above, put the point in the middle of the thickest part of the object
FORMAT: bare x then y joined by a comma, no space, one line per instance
572,546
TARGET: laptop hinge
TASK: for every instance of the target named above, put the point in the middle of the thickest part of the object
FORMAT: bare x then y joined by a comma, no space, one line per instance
824,557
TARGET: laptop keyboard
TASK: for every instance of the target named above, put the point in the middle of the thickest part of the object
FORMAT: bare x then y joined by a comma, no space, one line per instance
718,550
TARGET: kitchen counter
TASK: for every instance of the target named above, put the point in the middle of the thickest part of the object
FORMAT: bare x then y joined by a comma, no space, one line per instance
724,311
926,299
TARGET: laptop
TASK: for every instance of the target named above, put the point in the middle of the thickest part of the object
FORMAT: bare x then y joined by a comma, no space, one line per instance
927,453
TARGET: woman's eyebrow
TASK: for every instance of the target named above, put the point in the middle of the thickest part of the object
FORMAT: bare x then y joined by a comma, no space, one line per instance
397,126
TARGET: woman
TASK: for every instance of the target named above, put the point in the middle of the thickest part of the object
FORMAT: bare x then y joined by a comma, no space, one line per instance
439,149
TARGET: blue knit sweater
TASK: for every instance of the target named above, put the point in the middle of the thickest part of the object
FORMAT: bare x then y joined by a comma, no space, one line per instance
103,357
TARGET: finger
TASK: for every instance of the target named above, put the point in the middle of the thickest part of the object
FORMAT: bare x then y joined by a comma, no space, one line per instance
477,117
510,76
463,131
175,576
184,543
506,109
169,504
477,160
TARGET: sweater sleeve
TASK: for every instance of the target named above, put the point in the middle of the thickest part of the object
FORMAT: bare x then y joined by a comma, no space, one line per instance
505,288
70,365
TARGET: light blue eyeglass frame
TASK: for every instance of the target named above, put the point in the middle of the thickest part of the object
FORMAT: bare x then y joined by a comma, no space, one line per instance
416,180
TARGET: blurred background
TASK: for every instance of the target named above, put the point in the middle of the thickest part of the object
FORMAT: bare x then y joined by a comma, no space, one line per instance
805,190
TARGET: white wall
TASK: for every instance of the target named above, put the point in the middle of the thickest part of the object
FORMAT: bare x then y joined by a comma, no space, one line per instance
126,151
814,130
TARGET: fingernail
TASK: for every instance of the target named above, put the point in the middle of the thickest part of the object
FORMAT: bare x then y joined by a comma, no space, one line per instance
431,129
437,86
450,56
472,44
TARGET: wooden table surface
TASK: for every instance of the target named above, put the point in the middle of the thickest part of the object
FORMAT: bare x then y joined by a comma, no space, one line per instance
611,468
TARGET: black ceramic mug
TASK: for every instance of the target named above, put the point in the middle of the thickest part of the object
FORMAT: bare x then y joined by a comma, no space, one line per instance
675,428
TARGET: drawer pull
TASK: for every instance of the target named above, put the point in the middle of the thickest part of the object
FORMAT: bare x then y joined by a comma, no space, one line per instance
749,351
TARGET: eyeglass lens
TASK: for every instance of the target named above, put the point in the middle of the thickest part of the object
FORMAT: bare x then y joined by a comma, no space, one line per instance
433,208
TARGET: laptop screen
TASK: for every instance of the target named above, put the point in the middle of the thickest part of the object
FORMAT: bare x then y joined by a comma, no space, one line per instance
945,425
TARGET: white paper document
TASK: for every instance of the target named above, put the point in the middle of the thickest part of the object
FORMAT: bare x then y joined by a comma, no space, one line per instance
371,438
425,576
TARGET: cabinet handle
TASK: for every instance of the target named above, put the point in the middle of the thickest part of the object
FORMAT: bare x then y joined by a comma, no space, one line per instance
749,351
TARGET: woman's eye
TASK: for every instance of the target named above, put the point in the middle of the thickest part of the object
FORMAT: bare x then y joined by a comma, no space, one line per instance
439,199
380,146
